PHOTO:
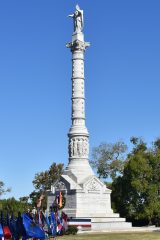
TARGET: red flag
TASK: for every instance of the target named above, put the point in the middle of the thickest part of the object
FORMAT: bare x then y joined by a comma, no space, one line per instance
7,233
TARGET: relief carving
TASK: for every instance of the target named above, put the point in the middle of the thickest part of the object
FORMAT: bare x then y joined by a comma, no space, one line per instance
60,186
93,185
78,147
75,147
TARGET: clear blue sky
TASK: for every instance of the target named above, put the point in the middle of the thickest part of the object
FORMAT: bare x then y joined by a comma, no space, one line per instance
122,80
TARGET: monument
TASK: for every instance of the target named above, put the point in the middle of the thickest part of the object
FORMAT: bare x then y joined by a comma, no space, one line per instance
86,196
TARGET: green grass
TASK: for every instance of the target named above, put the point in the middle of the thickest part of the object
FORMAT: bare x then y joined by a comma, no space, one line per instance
113,236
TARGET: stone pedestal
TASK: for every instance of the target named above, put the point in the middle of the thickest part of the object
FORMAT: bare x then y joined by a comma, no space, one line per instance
88,199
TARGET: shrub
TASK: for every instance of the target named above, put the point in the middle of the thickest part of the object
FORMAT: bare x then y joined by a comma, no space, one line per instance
72,230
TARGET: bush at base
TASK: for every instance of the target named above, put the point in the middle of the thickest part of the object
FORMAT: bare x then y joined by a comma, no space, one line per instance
71,230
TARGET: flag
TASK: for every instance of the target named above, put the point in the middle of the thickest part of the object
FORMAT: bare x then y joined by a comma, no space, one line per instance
7,233
20,230
40,220
2,219
32,229
1,231
7,219
53,224
65,221
58,217
47,219
48,224
12,226
6,229
59,222
59,228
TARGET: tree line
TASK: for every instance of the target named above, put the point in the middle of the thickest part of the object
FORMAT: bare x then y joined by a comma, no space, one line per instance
135,178
132,175
38,198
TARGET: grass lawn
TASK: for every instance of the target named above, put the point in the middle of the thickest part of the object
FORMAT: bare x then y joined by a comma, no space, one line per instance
114,236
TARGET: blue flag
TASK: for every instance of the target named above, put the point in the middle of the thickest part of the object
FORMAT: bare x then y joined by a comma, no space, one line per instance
48,224
53,224
1,231
32,229
47,220
12,226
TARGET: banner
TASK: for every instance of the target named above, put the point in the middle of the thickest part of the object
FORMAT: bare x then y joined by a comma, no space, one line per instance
32,229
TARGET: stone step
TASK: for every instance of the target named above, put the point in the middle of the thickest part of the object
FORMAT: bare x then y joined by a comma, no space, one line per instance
108,219
96,214
98,226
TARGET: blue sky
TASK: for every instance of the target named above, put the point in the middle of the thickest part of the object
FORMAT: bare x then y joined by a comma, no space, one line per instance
122,80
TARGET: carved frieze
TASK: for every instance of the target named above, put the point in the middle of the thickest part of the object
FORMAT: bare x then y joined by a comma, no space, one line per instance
78,147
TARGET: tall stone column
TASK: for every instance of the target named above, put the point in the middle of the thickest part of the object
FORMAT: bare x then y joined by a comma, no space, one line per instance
78,146
86,195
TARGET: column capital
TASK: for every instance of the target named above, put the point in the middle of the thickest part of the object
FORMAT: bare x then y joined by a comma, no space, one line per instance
77,45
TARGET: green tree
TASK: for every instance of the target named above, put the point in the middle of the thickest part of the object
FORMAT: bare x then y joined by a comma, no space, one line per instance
3,190
108,159
24,199
135,194
11,205
43,181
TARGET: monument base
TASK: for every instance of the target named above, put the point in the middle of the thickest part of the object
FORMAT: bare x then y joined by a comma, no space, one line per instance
88,199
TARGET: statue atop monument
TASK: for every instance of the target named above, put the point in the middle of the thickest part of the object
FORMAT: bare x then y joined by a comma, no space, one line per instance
77,19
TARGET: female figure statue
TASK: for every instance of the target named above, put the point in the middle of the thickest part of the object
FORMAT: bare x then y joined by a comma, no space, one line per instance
78,19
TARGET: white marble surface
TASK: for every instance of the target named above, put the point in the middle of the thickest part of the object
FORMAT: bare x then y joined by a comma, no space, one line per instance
86,195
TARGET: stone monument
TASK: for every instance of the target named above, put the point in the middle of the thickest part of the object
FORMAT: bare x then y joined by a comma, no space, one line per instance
86,196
